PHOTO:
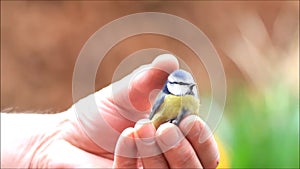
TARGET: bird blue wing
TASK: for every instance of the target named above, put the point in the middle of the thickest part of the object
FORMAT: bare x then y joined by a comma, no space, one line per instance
158,101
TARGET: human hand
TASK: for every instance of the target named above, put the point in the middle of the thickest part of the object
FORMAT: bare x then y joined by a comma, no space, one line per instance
80,137
135,96
169,148
87,136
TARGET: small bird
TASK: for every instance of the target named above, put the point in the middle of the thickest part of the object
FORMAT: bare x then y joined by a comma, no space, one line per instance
178,98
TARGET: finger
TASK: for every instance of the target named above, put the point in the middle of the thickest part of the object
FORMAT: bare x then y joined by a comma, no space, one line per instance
62,154
177,150
126,152
148,149
202,139
149,78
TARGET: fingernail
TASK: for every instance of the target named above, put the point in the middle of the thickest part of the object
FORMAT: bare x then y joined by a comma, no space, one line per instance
145,130
168,134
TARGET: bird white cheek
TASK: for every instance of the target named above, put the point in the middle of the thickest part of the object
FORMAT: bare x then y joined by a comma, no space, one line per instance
195,91
176,89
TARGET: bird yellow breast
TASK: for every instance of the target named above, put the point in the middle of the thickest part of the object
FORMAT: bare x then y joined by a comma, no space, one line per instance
173,105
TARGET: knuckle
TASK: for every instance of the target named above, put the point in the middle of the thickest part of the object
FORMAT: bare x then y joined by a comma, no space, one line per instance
187,158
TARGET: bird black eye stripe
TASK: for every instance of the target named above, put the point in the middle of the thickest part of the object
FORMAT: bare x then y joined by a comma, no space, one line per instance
180,83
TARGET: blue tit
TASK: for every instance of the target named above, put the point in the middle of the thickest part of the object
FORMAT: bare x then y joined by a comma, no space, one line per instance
178,98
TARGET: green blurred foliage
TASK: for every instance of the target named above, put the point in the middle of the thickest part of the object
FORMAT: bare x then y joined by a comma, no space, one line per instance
264,128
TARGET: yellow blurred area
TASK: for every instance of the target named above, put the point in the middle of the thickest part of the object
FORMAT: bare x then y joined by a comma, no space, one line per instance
224,157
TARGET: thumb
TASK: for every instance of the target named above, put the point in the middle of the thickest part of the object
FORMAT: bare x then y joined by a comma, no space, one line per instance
130,95
146,79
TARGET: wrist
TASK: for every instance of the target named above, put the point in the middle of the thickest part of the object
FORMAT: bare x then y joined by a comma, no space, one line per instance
23,135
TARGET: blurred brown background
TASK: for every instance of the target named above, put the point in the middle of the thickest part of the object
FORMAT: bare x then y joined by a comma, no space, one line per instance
40,41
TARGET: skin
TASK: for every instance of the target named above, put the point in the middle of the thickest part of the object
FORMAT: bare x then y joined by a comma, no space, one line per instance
58,140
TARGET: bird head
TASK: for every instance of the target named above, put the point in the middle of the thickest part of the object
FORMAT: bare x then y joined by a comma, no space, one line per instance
180,83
